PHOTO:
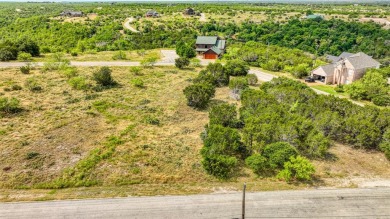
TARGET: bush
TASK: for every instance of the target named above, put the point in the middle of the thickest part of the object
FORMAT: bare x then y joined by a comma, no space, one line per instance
222,140
252,79
33,85
149,61
195,62
185,51
339,89
223,114
78,83
9,105
278,153
24,56
70,72
16,87
25,69
382,100
298,168
135,70
182,62
74,53
257,163
220,166
385,143
137,82
301,70
103,77
236,68
238,84
120,55
198,95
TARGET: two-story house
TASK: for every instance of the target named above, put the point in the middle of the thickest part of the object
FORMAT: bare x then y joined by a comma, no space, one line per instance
210,47
345,68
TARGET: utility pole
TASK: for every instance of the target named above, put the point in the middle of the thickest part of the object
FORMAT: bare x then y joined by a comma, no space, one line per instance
243,202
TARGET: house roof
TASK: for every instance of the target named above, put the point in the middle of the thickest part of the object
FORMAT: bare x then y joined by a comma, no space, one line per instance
314,16
325,70
208,40
221,44
216,50
332,58
345,55
361,60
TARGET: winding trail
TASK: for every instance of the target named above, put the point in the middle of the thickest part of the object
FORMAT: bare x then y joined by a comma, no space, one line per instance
128,26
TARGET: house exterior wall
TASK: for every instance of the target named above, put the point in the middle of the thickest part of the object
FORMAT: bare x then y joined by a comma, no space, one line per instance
210,55
204,46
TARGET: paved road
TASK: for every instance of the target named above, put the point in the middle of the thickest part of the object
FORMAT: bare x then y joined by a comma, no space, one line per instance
128,26
346,203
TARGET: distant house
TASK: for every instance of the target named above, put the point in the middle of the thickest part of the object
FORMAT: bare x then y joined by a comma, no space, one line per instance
345,68
152,13
210,47
189,11
72,14
314,17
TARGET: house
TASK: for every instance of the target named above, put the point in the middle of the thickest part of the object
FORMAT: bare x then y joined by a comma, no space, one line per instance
189,11
152,13
210,47
314,17
72,14
345,68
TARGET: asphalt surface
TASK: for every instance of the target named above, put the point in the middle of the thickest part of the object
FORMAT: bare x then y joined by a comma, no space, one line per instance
345,203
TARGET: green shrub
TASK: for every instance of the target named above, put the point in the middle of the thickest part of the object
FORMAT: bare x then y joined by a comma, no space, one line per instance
9,105
24,56
70,72
151,120
182,62
252,79
298,168
195,62
238,84
385,143
220,166
135,70
222,140
339,89
119,55
137,82
257,163
278,153
16,87
236,68
382,100
74,53
223,114
78,83
33,85
103,77
25,69
31,155
198,95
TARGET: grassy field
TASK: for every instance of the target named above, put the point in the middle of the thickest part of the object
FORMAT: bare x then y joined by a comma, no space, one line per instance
128,141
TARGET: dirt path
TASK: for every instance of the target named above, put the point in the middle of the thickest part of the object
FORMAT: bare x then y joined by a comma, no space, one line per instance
128,26
202,17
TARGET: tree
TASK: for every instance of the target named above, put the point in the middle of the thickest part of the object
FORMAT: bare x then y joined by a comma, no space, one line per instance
24,56
223,114
184,50
220,166
198,95
252,79
103,77
238,84
236,68
182,62
385,144
257,163
278,153
297,168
